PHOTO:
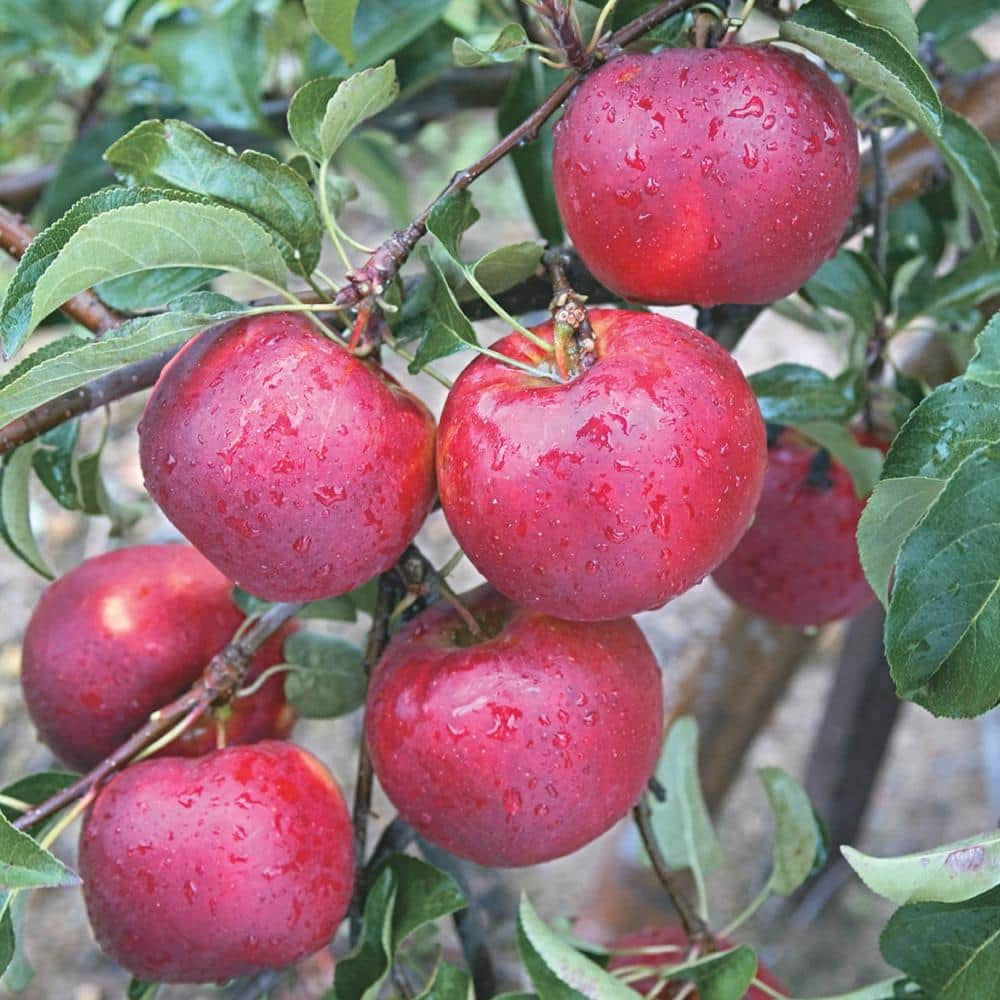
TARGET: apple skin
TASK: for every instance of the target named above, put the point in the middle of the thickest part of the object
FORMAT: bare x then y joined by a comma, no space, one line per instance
706,175
298,470
520,748
673,936
123,634
798,564
201,870
613,492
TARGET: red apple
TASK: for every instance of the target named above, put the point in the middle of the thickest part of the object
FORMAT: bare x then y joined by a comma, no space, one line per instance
518,745
706,175
122,635
612,492
674,943
202,870
798,564
297,469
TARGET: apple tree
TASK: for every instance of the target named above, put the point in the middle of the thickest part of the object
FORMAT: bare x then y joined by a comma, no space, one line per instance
179,187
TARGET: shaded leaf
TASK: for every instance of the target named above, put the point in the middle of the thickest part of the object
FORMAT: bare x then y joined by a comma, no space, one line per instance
450,218
145,290
985,366
334,20
848,284
893,15
724,975
449,983
791,394
505,267
328,681
946,19
15,508
798,836
863,464
506,46
446,328
973,280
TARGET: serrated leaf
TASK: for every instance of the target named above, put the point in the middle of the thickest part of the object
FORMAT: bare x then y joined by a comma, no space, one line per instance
26,865
792,394
16,308
951,949
951,873
446,328
947,19
976,167
532,83
798,836
80,359
508,45
944,614
334,20
950,424
450,218
895,16
174,154
357,99
682,825
892,511
848,284
985,366
328,680
973,280
158,234
557,970
724,975
870,55
15,508
863,464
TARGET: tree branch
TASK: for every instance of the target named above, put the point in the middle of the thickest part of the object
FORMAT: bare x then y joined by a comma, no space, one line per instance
86,308
219,682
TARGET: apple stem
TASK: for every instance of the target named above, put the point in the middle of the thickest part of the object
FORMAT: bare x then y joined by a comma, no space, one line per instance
561,21
463,612
574,338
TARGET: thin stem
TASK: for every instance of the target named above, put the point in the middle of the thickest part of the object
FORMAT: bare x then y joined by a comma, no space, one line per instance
880,238
602,19
691,920
222,676
350,240
262,679
506,316
759,984
168,737
740,919
11,803
328,220
66,820
463,612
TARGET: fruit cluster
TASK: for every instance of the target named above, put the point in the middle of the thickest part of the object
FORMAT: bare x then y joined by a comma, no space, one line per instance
525,727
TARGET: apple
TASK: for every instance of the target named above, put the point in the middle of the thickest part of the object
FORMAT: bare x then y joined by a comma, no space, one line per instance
520,744
672,939
123,634
798,564
299,470
200,870
706,175
614,491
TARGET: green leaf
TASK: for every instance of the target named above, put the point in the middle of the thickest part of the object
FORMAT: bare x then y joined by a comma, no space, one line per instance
54,466
798,835
505,267
533,162
985,366
863,464
946,427
305,113
947,19
971,281
35,788
888,989
449,983
951,949
172,153
26,865
94,496
406,895
80,359
891,513
870,55
976,167
328,680
158,234
145,290
357,99
792,394
334,20
849,284
15,508
446,329
16,308
507,46
450,218
724,975
951,873
14,964
893,15
559,971
140,990
682,824
944,614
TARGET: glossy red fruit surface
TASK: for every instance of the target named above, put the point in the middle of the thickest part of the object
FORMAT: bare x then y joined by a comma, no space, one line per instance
298,470
202,870
706,175
798,564
123,634
521,747
674,943
613,492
